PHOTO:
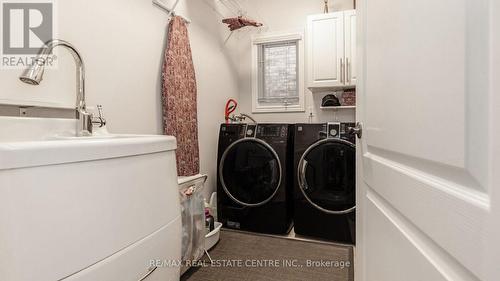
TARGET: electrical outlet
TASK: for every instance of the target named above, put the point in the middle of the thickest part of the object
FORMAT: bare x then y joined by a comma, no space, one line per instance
23,112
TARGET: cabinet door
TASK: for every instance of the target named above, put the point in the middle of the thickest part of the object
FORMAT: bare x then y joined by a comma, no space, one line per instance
325,50
153,258
350,47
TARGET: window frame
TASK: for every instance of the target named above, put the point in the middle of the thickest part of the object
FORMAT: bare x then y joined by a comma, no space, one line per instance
270,38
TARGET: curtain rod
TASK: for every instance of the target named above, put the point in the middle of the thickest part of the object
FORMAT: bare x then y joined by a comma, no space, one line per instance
162,6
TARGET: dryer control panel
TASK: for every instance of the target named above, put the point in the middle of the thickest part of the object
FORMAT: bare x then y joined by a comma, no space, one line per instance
344,132
333,130
341,130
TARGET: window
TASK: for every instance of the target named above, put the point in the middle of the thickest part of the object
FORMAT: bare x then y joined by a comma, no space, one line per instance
278,83
278,73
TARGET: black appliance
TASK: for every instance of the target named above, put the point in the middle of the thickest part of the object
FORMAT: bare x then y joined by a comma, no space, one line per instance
254,179
325,181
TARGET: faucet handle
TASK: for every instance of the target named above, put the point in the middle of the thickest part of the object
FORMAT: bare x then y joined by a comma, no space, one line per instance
100,119
99,110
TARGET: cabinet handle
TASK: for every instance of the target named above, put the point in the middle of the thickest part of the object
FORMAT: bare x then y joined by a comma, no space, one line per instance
341,70
348,79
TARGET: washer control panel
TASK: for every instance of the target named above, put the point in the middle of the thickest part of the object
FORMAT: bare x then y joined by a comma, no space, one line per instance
232,132
272,130
251,130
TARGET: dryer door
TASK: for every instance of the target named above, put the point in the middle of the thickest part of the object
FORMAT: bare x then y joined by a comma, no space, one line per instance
327,176
250,172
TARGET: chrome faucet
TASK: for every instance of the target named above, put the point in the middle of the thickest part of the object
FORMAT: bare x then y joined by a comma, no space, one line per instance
241,118
33,75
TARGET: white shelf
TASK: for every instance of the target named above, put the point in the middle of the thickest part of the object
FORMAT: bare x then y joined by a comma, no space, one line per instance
338,107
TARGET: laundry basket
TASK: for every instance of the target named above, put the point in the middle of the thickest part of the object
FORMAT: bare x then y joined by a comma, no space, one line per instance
193,219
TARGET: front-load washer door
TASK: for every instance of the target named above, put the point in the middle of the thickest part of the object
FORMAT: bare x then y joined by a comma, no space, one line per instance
250,172
327,176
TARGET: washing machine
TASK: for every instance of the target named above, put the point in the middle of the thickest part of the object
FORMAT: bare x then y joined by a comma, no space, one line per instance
325,181
255,177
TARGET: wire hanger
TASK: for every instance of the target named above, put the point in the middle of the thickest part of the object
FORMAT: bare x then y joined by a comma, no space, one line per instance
170,11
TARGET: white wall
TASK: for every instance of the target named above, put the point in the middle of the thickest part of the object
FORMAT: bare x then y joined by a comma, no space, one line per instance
282,16
122,43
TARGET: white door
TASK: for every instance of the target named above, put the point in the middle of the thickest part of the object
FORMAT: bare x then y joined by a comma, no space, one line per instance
350,47
429,159
325,50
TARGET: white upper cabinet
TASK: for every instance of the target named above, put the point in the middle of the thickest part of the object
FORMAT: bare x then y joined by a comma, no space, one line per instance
331,50
350,47
325,50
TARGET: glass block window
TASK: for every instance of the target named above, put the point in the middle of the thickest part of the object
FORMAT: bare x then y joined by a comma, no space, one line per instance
278,73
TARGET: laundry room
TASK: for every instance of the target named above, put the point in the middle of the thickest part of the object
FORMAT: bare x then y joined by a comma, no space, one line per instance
268,140
285,174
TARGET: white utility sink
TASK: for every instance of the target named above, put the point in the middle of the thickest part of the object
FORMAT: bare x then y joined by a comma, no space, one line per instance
88,207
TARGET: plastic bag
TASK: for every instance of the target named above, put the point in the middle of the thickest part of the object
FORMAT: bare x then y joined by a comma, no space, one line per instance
193,221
